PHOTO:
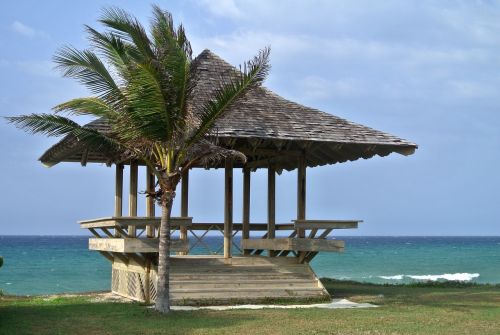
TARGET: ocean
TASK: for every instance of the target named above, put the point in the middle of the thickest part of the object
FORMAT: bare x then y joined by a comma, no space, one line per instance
59,264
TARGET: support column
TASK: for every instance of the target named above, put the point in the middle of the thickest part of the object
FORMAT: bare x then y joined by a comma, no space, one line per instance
132,196
150,229
150,201
184,206
246,207
118,193
228,208
271,205
301,194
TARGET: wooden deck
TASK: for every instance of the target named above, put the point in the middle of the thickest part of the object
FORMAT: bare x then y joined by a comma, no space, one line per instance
268,266
214,280
120,236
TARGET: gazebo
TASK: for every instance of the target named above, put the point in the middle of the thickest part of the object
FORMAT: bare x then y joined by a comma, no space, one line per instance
274,134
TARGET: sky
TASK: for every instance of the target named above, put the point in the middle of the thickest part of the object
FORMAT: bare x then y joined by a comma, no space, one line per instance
426,71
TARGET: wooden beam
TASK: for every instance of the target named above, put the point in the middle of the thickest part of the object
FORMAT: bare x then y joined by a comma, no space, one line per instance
96,234
184,205
85,156
150,201
268,152
228,208
326,224
133,245
107,232
132,196
118,193
271,205
301,193
139,221
265,243
246,207
298,244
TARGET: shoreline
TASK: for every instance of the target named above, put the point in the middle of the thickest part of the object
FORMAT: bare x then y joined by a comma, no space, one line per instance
324,280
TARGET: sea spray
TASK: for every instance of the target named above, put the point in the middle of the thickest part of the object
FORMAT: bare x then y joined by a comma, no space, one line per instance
464,277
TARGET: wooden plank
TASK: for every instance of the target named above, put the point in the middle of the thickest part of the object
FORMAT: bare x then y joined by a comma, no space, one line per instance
228,208
132,196
246,207
118,193
150,201
306,244
133,245
326,224
268,244
298,244
271,205
140,221
106,223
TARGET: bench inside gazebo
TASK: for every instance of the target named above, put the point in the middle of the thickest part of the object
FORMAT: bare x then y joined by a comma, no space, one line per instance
227,260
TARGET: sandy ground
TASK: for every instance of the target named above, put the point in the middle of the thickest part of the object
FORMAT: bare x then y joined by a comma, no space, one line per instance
111,297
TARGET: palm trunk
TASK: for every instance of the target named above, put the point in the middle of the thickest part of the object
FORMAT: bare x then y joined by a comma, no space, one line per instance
162,303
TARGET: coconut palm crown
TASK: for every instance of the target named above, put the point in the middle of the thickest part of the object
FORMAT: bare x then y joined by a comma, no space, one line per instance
141,85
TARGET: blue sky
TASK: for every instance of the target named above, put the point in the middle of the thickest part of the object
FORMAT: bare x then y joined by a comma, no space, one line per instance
427,71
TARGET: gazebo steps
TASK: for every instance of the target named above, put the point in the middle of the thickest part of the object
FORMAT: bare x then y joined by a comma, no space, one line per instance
241,283
249,296
202,280
248,278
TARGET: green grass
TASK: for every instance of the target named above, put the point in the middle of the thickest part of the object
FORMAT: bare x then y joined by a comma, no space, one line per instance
415,309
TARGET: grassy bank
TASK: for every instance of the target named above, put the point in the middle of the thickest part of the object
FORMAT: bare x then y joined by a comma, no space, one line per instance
416,309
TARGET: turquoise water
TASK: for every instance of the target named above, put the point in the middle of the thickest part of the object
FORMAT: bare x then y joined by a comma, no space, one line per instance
57,264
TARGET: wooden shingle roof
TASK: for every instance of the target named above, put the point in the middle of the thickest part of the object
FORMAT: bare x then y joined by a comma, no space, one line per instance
266,127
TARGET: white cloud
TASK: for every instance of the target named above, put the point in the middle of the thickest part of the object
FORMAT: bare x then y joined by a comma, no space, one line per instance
316,87
467,89
25,30
224,8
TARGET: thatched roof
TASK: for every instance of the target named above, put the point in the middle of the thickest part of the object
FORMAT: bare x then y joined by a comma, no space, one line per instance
266,127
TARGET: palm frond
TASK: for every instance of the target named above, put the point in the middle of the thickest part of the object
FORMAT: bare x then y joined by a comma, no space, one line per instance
116,51
147,108
87,106
56,125
254,73
130,29
86,67
174,57
206,154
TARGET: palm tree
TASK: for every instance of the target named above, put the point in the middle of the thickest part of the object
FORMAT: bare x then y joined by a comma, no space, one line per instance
141,85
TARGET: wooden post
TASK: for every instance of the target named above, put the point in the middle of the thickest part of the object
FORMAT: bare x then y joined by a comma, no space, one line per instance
132,196
228,208
245,234
150,229
271,205
184,206
150,201
301,194
118,193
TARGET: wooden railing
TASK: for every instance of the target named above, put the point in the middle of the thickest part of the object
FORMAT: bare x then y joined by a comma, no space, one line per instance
316,238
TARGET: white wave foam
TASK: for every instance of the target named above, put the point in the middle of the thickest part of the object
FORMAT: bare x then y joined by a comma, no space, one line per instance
447,276
396,277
